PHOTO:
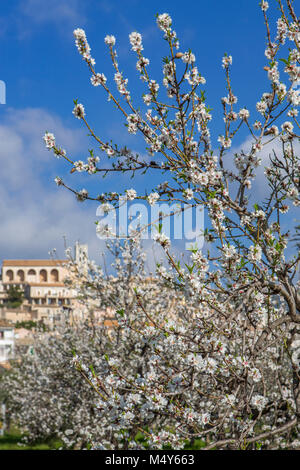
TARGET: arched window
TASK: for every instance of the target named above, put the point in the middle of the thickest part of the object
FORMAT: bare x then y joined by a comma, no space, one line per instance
20,275
43,275
54,275
31,275
9,275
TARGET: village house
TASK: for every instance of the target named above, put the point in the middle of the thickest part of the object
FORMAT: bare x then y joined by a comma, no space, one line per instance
46,297
7,342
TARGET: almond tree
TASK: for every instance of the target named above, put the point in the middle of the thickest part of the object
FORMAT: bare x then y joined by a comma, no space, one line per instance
227,370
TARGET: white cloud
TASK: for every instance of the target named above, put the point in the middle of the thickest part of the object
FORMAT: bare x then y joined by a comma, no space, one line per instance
64,14
35,214
57,11
260,189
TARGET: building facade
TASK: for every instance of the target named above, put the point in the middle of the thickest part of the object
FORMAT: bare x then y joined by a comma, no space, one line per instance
46,296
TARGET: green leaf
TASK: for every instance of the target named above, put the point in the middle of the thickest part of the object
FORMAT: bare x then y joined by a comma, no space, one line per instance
284,61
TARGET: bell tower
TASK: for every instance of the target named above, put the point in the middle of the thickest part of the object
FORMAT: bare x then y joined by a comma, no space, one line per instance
81,255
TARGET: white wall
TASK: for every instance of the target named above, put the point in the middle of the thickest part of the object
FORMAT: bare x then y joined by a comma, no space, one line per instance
7,344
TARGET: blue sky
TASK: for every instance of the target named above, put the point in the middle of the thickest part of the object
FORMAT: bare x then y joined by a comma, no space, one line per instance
43,73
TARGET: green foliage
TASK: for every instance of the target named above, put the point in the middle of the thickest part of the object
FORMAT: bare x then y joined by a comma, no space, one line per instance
15,297
11,441
28,324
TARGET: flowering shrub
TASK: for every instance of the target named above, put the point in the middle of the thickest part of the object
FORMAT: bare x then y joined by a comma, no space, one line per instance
46,398
220,362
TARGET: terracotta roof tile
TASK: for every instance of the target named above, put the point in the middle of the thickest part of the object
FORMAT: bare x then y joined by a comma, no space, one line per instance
34,262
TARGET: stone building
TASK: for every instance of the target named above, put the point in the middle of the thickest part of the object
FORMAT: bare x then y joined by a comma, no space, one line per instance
45,295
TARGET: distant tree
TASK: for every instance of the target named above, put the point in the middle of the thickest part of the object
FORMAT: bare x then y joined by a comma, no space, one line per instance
29,325
15,297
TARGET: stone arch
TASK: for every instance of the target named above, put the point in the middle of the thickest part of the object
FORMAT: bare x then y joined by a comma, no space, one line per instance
54,275
43,275
20,275
9,275
31,275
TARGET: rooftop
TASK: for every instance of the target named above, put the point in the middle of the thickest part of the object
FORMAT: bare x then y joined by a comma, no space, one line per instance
34,262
